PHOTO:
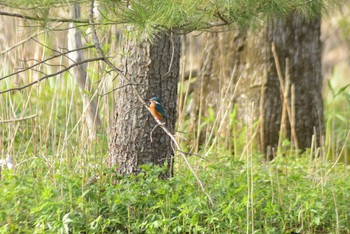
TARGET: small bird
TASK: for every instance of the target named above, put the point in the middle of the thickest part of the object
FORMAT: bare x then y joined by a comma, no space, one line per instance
157,110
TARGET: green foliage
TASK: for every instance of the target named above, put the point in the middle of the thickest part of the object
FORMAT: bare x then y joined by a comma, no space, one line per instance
337,116
281,197
148,17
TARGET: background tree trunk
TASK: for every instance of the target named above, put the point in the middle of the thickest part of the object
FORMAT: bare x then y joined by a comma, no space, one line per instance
85,86
156,67
216,82
302,45
298,40
258,92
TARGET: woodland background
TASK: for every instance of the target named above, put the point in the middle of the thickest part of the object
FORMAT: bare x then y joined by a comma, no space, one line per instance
64,181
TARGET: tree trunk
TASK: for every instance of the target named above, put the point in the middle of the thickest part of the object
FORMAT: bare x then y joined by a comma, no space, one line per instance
216,82
302,45
85,86
257,87
298,40
155,67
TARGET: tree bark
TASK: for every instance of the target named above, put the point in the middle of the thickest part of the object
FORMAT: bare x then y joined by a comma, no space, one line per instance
303,48
297,39
258,93
216,81
155,68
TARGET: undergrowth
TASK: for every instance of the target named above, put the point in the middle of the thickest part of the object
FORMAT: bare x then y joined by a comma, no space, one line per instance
284,196
61,183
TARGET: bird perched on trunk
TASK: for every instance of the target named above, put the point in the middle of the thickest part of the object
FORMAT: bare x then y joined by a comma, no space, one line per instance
157,110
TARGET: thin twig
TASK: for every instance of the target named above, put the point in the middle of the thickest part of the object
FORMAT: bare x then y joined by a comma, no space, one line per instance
337,160
154,128
52,74
18,119
193,154
42,19
54,50
119,87
25,40
45,60
178,135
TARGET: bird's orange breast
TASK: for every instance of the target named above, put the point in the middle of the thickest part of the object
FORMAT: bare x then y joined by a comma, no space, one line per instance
155,113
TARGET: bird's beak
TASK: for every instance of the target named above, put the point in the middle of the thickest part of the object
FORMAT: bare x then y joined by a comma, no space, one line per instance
145,99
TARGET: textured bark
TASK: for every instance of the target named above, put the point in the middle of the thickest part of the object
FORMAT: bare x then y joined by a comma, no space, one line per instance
298,40
156,67
258,94
303,47
85,87
216,83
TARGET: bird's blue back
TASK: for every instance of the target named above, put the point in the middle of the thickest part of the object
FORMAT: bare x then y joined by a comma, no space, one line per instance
161,110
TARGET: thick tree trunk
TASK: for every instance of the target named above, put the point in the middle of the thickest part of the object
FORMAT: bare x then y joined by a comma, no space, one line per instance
301,44
298,40
156,67
216,81
258,89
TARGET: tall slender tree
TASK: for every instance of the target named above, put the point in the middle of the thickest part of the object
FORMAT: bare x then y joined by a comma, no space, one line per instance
80,73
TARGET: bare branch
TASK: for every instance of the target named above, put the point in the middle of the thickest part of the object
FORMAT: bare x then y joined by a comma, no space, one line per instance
45,60
17,120
120,87
187,162
42,19
53,74
24,41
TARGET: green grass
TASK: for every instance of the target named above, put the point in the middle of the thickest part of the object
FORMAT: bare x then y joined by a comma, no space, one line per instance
287,195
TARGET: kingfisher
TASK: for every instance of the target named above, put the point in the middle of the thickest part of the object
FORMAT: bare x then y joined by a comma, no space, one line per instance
157,110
